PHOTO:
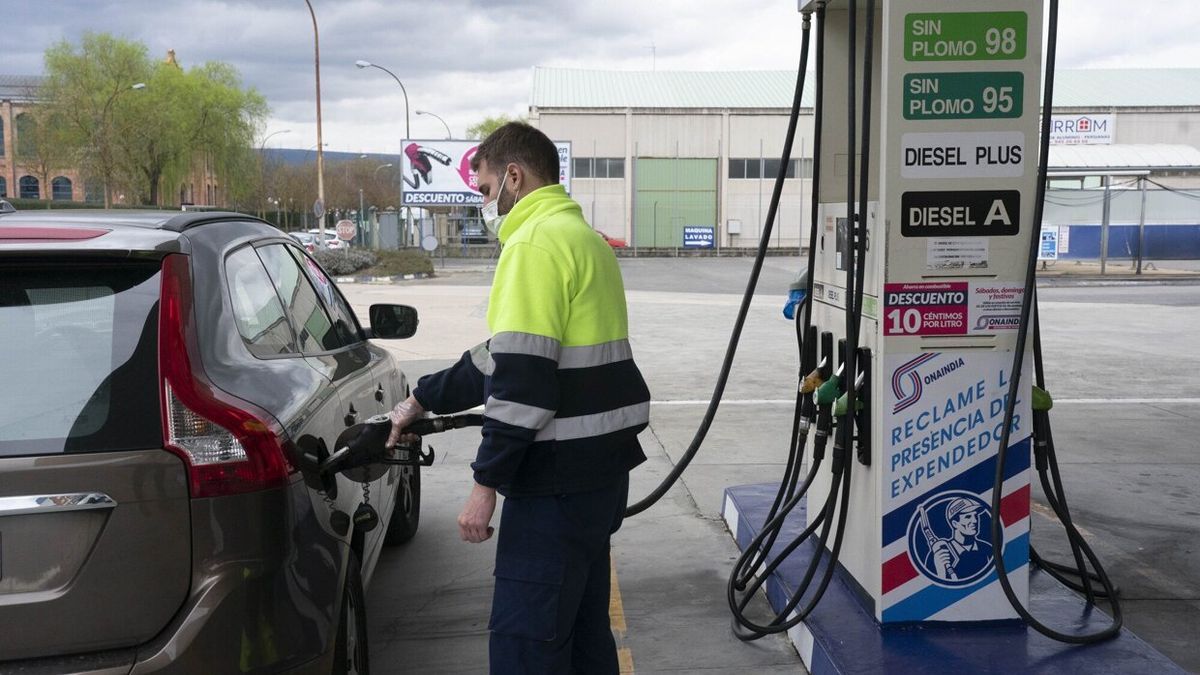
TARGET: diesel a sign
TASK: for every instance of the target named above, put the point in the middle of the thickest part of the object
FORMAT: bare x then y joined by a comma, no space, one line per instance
986,213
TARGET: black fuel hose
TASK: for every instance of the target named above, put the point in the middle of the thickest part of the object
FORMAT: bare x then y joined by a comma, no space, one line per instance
805,340
436,425
1027,301
747,298
842,461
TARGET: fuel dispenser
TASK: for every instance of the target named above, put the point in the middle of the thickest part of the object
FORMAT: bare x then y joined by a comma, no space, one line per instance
923,254
918,422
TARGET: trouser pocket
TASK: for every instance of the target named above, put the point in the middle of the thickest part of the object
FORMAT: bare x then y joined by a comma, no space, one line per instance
525,603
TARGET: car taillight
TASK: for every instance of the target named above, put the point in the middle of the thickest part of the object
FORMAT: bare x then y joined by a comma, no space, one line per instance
230,446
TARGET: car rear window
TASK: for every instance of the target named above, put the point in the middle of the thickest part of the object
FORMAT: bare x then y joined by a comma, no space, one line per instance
79,367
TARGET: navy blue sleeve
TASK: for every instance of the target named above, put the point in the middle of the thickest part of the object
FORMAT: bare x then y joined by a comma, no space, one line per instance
457,388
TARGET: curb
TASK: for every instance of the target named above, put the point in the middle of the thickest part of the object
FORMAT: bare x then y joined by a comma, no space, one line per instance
1172,280
384,280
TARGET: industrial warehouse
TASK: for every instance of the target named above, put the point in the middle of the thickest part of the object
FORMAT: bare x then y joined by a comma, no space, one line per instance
661,159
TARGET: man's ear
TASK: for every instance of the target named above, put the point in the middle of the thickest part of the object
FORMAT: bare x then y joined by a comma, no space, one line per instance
515,176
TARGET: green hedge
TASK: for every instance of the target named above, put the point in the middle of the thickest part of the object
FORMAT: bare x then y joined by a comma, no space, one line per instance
396,263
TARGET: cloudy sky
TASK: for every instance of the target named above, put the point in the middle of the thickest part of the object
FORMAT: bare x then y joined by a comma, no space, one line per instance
465,60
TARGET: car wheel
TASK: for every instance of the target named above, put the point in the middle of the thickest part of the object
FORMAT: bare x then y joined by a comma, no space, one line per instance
407,514
350,651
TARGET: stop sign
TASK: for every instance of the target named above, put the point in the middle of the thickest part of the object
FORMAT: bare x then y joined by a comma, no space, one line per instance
346,230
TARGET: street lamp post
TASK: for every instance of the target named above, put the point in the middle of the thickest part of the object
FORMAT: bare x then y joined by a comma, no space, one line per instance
367,64
320,144
360,64
262,163
449,136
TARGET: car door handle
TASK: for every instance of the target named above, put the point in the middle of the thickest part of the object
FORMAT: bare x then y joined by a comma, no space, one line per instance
379,393
351,416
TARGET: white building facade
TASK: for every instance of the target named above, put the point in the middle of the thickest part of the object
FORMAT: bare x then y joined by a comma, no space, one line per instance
660,157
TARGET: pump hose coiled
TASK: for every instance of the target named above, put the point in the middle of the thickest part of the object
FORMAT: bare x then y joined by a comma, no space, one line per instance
842,462
1047,461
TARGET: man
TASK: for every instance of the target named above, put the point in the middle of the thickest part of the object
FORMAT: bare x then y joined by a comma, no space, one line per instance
963,555
563,405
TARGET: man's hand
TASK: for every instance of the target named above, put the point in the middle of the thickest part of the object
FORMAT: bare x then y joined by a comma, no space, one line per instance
473,522
941,560
405,413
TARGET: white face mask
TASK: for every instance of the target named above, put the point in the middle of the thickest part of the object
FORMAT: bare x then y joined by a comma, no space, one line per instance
491,211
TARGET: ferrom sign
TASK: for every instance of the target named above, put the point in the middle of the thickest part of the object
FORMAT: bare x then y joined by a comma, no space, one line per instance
1082,129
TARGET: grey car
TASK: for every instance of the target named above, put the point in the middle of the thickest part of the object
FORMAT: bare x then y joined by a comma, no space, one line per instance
169,385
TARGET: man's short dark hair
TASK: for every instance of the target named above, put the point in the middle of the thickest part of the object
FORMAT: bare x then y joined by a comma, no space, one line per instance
519,143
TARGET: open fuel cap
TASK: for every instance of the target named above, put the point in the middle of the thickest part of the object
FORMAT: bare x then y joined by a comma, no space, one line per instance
360,450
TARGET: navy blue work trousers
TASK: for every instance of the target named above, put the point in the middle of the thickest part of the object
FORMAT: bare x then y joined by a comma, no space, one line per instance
550,606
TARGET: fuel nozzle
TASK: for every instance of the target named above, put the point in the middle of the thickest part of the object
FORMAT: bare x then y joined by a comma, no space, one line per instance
829,391
1041,404
797,292
840,406
808,406
813,380
365,443
824,398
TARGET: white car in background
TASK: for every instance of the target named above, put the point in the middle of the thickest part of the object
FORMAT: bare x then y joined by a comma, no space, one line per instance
331,239
309,241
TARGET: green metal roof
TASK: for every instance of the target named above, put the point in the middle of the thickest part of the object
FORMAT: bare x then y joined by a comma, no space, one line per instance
1127,88
570,88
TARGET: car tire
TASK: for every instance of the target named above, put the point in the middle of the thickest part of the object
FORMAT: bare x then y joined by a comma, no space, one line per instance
407,514
351,652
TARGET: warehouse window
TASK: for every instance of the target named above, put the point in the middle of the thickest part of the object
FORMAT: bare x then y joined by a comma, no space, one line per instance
598,167
756,168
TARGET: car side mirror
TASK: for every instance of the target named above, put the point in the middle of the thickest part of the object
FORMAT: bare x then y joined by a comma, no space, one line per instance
393,322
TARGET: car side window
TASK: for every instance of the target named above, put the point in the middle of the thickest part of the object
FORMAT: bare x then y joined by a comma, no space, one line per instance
315,328
256,308
344,320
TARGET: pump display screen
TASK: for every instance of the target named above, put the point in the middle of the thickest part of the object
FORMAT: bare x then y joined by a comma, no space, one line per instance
843,242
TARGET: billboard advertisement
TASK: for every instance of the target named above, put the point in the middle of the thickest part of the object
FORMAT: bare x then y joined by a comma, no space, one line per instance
1082,129
438,172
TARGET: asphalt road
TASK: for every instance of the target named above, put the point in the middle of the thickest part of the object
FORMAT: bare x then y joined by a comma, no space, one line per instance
1120,362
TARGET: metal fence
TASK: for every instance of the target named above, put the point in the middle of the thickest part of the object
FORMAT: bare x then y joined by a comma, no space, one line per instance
1128,225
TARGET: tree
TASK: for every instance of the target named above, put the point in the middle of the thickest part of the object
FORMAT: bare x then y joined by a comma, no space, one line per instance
180,121
484,129
88,88
184,118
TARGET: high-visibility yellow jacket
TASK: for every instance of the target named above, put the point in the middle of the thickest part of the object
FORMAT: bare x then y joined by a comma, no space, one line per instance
563,399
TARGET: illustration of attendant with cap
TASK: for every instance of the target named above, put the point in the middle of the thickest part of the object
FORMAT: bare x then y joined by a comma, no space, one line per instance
963,554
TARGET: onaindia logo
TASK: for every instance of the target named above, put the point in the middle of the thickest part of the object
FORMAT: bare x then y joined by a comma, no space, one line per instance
908,383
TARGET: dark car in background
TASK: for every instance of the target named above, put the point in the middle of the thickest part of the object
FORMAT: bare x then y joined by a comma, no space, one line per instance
169,384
